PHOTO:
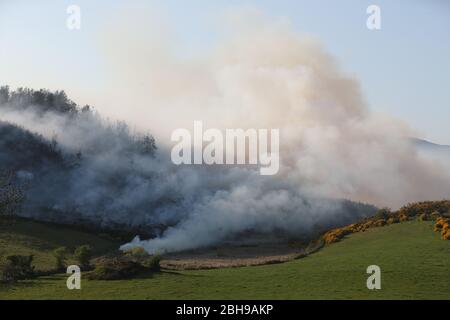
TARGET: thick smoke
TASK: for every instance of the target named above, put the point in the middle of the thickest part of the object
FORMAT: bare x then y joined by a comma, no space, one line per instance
261,75
94,171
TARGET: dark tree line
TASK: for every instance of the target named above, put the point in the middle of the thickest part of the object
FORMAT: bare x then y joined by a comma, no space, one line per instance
42,99
90,179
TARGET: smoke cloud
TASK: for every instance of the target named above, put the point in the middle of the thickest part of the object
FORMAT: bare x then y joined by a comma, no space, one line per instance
260,75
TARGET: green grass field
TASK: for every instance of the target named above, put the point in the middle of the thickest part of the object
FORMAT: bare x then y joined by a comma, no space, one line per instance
414,261
26,237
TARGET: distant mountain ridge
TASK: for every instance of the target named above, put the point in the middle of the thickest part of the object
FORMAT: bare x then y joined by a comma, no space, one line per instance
428,146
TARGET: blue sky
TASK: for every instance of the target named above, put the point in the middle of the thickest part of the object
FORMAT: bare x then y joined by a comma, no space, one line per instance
404,68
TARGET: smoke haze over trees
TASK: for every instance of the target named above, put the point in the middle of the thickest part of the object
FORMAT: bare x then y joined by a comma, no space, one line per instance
261,74
79,168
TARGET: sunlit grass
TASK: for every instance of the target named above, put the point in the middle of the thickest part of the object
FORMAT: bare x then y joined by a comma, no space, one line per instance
414,261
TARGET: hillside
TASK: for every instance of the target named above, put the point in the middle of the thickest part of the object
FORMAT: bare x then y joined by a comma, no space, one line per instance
40,239
427,145
415,264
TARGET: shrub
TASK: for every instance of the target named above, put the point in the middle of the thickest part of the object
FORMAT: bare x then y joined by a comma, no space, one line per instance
60,255
445,234
446,226
392,220
383,213
369,224
83,254
440,223
423,217
427,207
154,263
336,234
330,237
138,254
17,267
116,269
362,228
435,215
403,218
354,227
380,223
437,226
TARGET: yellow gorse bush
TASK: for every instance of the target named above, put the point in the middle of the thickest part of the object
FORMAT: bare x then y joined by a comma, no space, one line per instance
422,211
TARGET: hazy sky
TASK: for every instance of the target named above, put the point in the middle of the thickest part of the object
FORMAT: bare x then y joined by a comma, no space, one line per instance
404,68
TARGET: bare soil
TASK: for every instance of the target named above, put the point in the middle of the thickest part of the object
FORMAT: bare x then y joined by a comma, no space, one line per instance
229,256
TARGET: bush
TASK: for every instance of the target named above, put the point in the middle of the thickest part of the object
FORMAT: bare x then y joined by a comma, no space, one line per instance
353,228
445,234
437,226
336,235
393,220
17,267
427,207
60,255
137,253
154,263
362,228
369,224
435,215
382,214
446,226
423,217
442,225
116,269
380,223
83,254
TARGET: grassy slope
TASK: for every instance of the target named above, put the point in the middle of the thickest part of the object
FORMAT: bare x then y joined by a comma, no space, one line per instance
415,263
40,239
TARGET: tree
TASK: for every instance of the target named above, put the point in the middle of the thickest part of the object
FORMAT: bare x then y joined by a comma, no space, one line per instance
87,108
83,254
147,144
11,194
4,94
60,255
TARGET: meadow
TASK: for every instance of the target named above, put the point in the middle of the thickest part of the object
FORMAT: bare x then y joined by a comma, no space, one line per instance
414,262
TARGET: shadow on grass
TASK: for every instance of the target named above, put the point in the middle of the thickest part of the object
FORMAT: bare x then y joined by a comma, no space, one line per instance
46,236
8,286
180,274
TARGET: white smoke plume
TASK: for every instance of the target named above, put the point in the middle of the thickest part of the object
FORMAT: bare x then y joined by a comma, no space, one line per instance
264,75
